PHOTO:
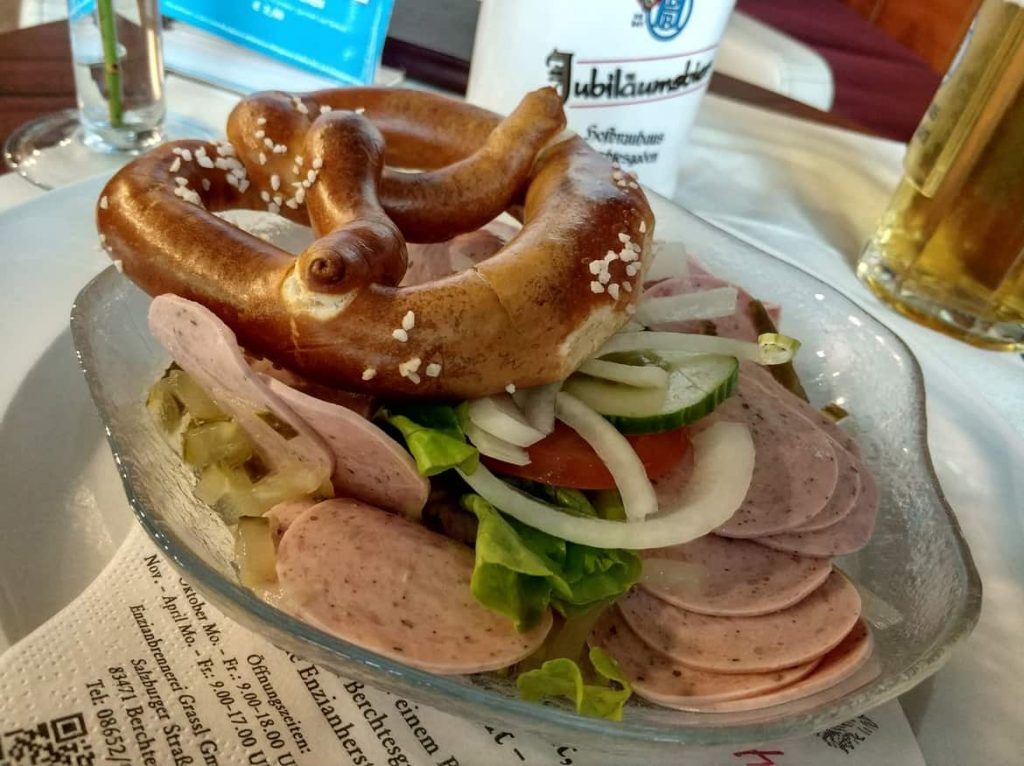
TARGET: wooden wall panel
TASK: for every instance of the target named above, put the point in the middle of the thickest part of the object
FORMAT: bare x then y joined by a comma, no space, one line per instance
931,28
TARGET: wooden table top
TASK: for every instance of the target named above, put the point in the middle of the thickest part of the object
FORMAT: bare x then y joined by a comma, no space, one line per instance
36,79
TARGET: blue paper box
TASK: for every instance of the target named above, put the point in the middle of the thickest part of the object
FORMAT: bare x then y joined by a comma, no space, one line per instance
342,39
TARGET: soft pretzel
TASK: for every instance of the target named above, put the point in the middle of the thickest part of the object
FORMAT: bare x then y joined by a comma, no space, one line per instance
526,316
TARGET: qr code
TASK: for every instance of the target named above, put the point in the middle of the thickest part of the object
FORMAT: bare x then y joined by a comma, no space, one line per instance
60,742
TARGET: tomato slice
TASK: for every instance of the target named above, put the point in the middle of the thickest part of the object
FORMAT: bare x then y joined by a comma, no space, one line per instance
564,459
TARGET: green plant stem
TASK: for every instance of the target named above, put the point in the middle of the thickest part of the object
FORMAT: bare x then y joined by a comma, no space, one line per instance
111,65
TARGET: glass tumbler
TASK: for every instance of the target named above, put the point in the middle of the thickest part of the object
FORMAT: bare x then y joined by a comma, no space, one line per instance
119,73
119,84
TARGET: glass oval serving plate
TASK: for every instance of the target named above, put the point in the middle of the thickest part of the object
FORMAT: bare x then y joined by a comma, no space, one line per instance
922,592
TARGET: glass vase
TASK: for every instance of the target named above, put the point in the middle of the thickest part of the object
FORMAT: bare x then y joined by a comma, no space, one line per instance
119,73
118,68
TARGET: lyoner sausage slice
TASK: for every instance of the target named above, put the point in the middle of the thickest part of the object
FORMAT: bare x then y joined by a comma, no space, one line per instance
795,468
844,497
206,349
846,536
792,636
390,585
666,682
852,654
283,514
368,464
758,375
730,578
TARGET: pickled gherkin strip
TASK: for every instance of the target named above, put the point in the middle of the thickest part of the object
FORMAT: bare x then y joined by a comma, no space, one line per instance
835,412
198,403
217,480
784,373
234,480
164,407
238,505
254,551
227,490
286,484
216,442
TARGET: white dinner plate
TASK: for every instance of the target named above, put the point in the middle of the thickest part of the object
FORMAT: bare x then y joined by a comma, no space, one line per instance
63,512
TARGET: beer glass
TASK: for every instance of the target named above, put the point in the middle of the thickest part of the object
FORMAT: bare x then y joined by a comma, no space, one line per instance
949,250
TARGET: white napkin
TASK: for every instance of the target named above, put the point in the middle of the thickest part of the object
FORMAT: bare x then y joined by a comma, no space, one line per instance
141,669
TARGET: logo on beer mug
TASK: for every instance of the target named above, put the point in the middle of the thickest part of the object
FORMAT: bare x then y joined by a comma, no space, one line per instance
666,18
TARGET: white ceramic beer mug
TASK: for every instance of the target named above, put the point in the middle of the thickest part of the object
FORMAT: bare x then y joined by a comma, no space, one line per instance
631,72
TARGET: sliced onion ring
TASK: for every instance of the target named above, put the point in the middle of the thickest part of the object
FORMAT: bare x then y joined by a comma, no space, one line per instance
499,416
618,455
723,465
492,446
539,406
771,348
704,304
646,376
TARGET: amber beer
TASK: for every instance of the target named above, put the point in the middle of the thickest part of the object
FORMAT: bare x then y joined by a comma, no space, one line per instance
949,250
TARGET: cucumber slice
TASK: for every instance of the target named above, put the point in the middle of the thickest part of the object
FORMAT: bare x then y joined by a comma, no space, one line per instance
696,387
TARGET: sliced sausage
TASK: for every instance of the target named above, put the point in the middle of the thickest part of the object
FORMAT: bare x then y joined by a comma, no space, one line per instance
846,536
731,578
759,376
795,468
368,464
390,585
361,404
428,262
792,636
206,349
853,474
844,497
665,682
852,654
283,514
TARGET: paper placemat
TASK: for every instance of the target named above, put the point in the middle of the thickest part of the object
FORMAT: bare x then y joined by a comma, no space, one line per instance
142,670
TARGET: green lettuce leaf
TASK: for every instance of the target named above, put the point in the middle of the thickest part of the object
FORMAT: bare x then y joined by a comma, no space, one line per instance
509,576
596,575
520,571
434,436
608,505
572,501
563,678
